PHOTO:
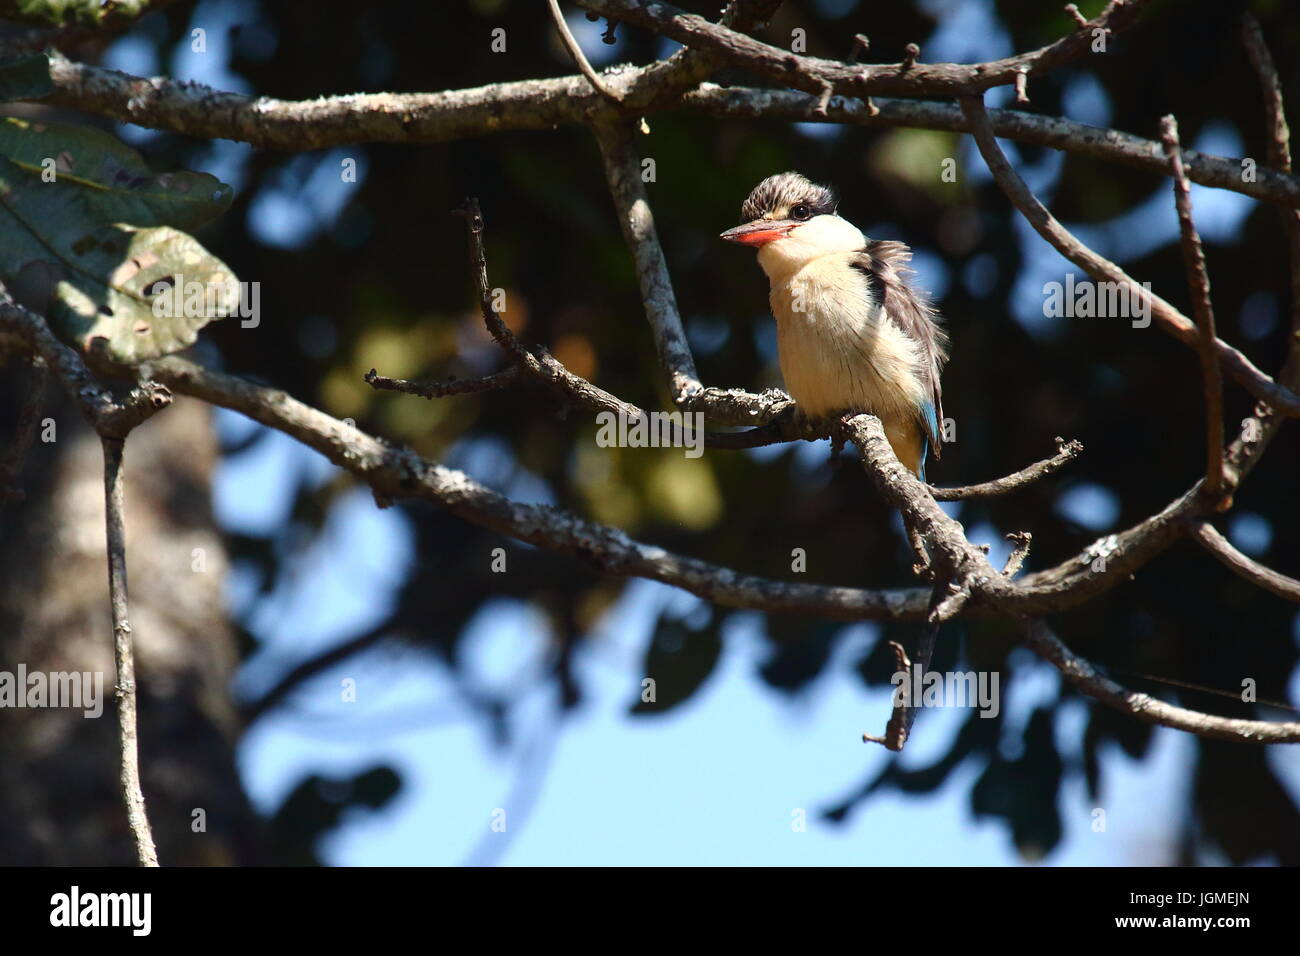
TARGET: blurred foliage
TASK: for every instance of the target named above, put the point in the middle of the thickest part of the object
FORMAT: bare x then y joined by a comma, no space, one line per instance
321,803
91,14
382,282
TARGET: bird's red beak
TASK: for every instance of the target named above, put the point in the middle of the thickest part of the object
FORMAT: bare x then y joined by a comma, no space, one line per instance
759,232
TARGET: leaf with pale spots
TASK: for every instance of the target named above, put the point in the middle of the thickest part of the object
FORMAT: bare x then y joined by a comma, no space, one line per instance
88,14
92,239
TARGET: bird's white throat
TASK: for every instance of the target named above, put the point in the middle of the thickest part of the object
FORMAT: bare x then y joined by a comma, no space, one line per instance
819,236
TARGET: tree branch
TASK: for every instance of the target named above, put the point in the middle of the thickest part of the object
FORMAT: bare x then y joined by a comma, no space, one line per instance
1021,542
113,419
109,415
464,386
1086,678
1066,452
1198,282
193,109
124,655
1258,430
952,557
1103,270
1124,149
623,176
1209,538
548,371
399,473
580,58
813,75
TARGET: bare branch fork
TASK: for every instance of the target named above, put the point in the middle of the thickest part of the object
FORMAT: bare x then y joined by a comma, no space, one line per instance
1198,280
580,58
540,367
113,419
811,74
1102,269
113,430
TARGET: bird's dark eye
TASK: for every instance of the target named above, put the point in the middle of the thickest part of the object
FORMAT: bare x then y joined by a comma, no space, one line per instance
801,211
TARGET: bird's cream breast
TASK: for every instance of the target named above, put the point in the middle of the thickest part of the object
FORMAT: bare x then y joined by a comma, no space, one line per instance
837,352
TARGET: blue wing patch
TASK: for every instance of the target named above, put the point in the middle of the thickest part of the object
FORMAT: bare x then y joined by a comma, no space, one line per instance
931,421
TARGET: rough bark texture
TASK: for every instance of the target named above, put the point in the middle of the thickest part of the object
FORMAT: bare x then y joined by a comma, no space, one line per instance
59,797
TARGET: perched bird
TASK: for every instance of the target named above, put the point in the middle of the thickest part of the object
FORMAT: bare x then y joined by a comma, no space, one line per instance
853,333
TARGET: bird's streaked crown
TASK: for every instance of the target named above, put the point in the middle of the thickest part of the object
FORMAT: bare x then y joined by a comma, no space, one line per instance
777,195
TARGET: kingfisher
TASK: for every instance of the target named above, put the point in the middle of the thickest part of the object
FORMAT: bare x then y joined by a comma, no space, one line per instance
853,332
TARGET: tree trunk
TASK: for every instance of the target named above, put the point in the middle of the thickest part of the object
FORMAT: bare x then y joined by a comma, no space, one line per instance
59,797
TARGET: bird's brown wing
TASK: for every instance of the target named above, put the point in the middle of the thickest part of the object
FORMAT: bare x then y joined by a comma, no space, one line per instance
886,265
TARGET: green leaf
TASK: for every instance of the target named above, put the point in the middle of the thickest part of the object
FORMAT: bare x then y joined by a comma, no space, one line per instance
92,238
118,183
78,13
25,78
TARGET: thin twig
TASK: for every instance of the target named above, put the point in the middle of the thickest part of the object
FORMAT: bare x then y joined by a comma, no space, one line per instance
1021,541
1084,676
1066,452
898,725
1258,431
124,654
545,368
575,51
1102,269
946,602
1198,281
907,78
1078,139
1254,572
1080,20
631,201
823,101
456,386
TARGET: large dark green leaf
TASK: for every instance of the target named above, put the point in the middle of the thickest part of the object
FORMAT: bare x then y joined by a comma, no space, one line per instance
93,239
78,13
